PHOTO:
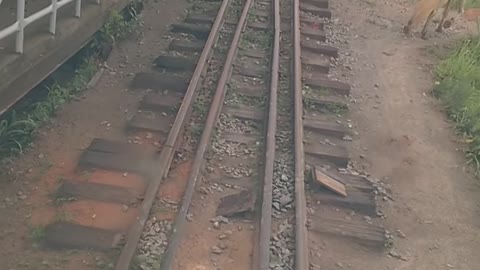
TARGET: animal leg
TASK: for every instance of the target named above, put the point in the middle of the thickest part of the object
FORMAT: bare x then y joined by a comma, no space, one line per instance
406,28
462,6
445,13
424,30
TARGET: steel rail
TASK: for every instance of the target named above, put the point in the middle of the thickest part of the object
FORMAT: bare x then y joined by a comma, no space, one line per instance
301,253
213,114
166,155
266,219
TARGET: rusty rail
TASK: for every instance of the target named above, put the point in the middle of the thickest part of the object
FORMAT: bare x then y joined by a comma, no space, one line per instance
301,252
213,114
266,219
166,155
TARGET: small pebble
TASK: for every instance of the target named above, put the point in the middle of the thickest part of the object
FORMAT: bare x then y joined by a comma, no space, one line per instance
216,250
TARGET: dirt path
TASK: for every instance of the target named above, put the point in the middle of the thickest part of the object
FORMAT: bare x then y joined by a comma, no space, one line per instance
405,140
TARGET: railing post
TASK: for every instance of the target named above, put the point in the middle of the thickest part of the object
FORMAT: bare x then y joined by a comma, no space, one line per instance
78,8
53,17
21,25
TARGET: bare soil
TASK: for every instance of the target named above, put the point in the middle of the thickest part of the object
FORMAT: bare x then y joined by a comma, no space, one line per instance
405,140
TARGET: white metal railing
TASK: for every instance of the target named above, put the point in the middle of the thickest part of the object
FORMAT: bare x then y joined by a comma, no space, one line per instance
22,22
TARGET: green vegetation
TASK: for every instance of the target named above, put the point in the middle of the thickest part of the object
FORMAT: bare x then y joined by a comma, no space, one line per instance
468,4
312,100
58,201
459,90
37,234
259,38
325,106
63,215
200,108
12,131
104,264
197,130
17,129
235,98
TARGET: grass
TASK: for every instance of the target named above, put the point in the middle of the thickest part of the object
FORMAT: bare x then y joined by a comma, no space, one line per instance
37,234
312,101
458,88
58,201
104,265
200,108
197,130
259,38
325,107
63,215
468,4
17,128
235,98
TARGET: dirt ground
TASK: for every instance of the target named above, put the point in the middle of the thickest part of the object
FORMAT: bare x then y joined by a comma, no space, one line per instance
405,140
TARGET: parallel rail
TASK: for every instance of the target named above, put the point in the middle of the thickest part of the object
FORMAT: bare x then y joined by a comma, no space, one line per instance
266,219
67,234
162,160
171,146
198,162
301,254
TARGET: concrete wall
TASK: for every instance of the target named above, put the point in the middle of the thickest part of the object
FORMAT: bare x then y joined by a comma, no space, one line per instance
43,52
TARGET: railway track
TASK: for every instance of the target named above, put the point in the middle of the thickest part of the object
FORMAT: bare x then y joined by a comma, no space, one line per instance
157,132
255,75
243,114
321,157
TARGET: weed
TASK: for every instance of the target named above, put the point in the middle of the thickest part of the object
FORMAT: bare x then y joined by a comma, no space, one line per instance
325,107
104,265
388,243
63,216
13,132
235,98
200,108
459,90
116,28
463,63
85,173
252,15
312,99
197,130
37,234
244,44
58,200
16,131
258,38
308,92
468,4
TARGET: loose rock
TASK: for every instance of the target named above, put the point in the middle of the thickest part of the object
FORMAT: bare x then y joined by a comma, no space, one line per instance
216,250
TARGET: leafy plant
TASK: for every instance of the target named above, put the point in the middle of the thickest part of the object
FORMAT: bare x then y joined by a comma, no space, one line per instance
459,90
13,132
16,131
